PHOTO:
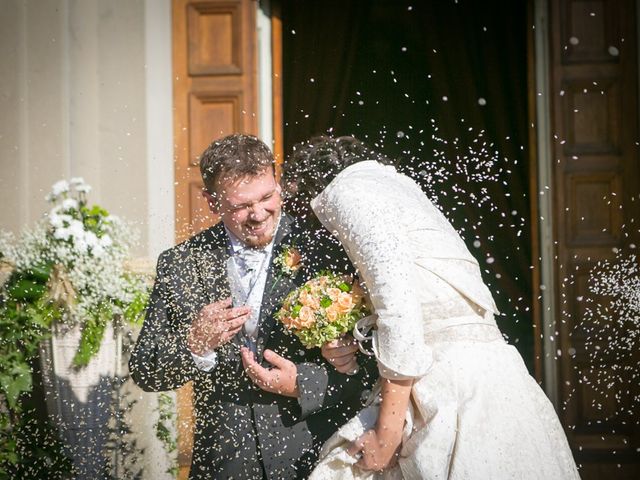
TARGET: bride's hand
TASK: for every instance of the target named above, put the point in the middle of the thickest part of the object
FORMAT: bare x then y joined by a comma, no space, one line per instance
376,451
341,353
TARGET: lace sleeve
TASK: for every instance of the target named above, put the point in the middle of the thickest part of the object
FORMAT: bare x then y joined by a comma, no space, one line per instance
364,220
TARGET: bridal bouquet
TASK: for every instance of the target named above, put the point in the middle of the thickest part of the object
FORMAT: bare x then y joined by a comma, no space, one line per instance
323,309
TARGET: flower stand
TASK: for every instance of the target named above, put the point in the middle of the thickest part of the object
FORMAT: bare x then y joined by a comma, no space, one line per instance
78,400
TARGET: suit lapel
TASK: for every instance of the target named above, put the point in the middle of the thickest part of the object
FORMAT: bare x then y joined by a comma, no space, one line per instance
277,286
211,262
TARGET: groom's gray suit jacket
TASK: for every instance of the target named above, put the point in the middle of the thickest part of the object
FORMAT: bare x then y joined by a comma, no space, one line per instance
242,432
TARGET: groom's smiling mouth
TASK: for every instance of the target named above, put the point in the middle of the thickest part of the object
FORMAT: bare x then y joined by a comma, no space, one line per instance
259,228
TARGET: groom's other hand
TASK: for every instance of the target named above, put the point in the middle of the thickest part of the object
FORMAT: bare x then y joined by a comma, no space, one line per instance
341,353
215,325
280,379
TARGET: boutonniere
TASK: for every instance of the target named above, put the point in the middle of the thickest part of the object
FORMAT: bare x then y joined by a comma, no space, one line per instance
289,263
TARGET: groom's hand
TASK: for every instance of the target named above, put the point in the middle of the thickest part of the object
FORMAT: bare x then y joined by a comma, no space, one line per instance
215,325
280,379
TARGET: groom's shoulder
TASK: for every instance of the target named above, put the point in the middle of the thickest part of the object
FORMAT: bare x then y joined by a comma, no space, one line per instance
200,242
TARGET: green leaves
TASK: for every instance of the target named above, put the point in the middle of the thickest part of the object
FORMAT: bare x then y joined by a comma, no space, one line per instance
92,335
26,290
134,312
40,273
25,318
14,381
316,337
94,218
29,285
325,302
165,429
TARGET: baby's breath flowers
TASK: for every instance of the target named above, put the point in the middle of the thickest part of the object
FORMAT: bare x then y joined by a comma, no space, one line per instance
323,309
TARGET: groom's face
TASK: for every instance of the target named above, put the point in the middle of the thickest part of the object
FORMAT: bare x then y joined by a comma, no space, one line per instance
249,206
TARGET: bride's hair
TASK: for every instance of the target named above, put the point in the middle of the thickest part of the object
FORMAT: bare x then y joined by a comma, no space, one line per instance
314,163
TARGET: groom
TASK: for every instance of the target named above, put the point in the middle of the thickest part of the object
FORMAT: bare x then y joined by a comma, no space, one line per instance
217,292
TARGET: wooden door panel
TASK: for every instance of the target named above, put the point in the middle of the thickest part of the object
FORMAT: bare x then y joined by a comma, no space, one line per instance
215,38
592,108
591,28
597,217
595,121
214,95
215,91
212,116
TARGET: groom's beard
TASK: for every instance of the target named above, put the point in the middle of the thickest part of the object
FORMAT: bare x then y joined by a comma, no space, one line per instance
260,234
260,241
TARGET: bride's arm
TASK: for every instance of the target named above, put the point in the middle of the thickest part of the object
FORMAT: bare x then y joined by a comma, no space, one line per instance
364,216
395,401
378,447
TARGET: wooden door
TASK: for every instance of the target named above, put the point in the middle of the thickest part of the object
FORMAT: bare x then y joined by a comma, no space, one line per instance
214,94
215,91
594,79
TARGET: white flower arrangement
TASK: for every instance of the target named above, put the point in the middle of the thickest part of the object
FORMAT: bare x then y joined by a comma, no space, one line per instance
81,252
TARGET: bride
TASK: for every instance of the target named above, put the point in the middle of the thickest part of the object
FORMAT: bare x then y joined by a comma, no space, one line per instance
454,401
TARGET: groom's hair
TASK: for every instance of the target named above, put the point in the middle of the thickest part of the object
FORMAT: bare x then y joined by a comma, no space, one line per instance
234,156
314,163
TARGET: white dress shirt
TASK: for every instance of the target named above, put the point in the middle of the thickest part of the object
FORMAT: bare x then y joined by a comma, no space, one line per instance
247,270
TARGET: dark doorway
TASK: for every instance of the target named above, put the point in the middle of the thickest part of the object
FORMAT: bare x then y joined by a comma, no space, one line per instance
441,86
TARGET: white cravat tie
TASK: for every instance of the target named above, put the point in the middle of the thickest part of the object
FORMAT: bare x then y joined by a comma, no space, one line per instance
250,262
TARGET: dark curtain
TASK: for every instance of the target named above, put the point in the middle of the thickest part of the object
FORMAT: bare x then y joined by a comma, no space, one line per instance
440,86
320,41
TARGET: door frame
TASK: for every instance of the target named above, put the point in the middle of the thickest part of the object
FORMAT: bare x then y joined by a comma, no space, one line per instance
542,203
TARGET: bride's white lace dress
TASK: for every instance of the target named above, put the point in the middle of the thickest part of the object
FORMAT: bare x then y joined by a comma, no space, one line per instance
475,411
